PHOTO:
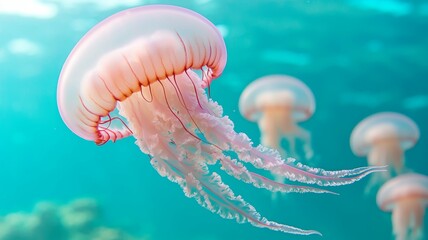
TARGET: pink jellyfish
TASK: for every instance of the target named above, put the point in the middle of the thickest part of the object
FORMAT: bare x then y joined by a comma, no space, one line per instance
133,74
384,137
407,197
278,103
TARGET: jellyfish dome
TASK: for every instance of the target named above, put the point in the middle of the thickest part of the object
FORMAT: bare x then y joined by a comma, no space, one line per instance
134,74
138,55
383,127
277,103
407,197
278,91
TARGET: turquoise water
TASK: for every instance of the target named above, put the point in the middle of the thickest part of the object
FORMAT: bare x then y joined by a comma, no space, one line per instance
357,57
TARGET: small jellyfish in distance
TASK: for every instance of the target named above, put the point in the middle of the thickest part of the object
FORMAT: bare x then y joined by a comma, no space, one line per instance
383,138
134,74
278,103
407,197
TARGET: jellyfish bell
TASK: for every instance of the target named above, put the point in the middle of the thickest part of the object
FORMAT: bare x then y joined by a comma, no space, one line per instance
254,97
383,127
402,187
383,138
406,196
383,132
141,62
136,56
278,99
278,103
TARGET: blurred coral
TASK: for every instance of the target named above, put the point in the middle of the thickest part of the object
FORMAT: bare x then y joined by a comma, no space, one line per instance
78,220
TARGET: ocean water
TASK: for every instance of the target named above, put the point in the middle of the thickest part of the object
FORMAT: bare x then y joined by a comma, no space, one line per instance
358,58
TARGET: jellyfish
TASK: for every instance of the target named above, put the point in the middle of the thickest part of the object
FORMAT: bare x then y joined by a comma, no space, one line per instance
407,197
144,72
384,137
278,103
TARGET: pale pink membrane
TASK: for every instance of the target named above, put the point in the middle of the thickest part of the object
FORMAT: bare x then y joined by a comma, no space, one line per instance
163,104
407,197
383,138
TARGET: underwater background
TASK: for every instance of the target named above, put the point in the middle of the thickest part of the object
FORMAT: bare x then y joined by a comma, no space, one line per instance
359,57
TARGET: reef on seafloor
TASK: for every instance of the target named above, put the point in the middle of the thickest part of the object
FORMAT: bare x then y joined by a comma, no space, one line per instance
78,220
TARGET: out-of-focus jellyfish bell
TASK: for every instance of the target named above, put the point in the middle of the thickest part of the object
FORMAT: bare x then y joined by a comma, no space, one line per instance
278,103
407,197
383,138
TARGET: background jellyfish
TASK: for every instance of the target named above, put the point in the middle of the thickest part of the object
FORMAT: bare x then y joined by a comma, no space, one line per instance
407,197
140,61
384,137
278,103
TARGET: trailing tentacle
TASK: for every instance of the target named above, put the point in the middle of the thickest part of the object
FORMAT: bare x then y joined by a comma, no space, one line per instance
210,192
240,172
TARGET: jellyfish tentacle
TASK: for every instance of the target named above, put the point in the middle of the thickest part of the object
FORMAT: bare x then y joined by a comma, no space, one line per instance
266,158
175,114
240,172
210,192
110,120
182,100
306,137
194,88
418,215
237,170
270,160
178,93
151,94
338,173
